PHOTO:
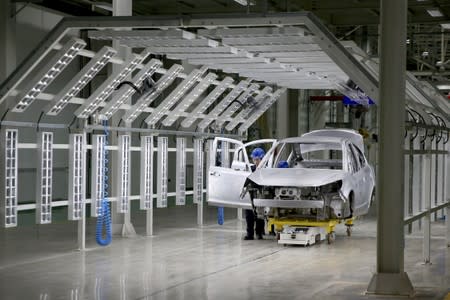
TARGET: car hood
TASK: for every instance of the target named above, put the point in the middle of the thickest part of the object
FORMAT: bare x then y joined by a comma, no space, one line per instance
299,177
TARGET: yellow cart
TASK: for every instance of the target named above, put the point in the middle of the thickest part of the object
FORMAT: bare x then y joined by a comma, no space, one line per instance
275,225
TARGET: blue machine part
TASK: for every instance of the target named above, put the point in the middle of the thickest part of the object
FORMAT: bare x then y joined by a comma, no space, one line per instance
349,101
104,216
220,215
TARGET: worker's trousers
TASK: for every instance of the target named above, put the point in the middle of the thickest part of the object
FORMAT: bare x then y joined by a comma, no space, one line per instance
254,225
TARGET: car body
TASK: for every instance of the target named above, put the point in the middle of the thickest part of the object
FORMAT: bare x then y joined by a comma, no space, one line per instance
328,177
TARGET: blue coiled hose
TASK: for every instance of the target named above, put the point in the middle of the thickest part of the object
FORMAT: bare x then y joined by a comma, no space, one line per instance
104,215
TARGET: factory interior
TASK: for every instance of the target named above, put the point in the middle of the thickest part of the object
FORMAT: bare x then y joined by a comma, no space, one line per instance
224,149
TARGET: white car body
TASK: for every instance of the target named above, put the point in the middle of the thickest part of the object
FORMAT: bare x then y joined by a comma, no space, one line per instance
314,186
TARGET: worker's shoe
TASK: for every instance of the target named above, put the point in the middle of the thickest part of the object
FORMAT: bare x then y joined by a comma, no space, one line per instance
248,238
260,237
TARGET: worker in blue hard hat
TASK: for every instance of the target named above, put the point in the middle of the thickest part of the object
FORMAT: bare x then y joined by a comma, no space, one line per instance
254,224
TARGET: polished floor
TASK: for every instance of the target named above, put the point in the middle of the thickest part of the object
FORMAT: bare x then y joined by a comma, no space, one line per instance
183,261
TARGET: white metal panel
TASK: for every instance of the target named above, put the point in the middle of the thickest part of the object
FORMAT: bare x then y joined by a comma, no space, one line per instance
9,177
141,34
77,164
123,184
80,80
50,71
44,178
181,171
146,187
162,172
98,173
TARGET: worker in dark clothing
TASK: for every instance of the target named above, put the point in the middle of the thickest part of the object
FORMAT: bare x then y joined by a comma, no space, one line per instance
254,224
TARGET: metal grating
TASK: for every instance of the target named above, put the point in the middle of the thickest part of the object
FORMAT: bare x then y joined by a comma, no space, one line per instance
162,178
146,186
98,173
9,176
123,185
181,171
44,178
77,163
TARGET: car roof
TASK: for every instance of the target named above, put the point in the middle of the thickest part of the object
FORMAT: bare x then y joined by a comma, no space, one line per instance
315,139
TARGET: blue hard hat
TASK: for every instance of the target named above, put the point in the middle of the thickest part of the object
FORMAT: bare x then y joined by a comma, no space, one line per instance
283,164
258,153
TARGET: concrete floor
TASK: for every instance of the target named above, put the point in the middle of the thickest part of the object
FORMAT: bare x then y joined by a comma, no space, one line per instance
183,261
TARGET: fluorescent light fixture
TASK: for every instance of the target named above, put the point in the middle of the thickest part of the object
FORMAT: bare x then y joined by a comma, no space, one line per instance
236,105
181,171
44,178
206,102
245,2
9,175
144,101
189,99
141,34
212,116
77,164
50,71
123,185
98,173
443,86
164,107
126,91
258,111
198,171
445,25
109,85
243,114
79,81
435,12
161,175
146,197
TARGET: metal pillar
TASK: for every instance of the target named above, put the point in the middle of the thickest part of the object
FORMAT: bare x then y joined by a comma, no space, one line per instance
390,278
121,222
7,41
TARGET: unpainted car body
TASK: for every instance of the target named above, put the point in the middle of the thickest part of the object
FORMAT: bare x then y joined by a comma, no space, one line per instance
327,177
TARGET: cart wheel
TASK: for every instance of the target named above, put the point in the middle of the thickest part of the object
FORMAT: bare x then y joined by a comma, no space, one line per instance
349,230
331,237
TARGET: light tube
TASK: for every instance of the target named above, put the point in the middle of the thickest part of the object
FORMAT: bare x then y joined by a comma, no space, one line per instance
49,72
123,185
223,104
206,102
243,114
174,96
198,171
126,91
98,173
181,171
9,176
80,80
261,109
235,106
109,85
146,187
144,101
77,160
161,200
44,178
189,99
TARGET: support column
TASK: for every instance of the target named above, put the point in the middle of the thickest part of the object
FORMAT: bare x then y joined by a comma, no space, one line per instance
7,41
390,277
121,223
302,113
426,200
282,118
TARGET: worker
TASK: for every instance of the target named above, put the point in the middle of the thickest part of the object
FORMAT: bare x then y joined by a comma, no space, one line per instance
254,224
